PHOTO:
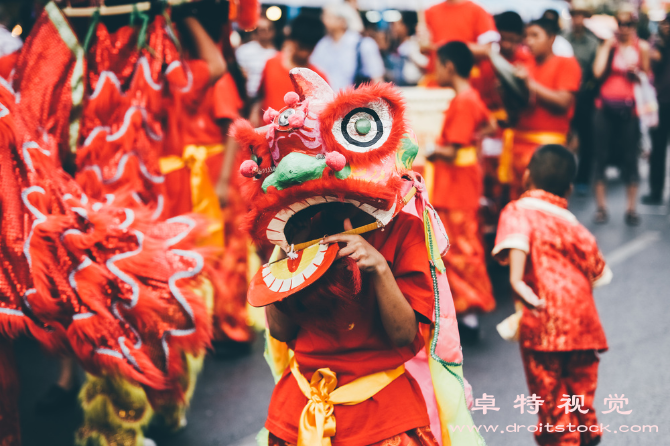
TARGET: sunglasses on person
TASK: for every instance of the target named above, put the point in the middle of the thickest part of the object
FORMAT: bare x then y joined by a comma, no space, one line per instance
626,24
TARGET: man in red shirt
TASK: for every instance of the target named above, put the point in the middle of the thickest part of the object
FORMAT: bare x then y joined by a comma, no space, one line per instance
457,185
554,265
306,31
553,82
462,20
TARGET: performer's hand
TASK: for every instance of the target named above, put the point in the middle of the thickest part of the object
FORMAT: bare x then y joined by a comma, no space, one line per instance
357,248
527,294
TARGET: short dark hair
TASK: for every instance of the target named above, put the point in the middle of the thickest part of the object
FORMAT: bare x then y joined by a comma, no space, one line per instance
549,26
459,54
509,21
552,169
306,30
551,14
410,19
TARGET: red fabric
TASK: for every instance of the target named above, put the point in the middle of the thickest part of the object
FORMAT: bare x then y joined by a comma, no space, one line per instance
10,431
553,376
522,152
422,436
466,262
7,64
557,73
205,105
275,82
362,348
563,261
230,311
464,21
457,187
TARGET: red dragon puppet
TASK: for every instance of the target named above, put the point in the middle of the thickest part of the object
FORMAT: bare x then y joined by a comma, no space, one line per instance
329,153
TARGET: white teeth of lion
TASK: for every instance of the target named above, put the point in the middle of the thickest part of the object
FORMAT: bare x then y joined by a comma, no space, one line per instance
297,207
354,202
315,200
368,209
385,216
330,199
284,214
276,226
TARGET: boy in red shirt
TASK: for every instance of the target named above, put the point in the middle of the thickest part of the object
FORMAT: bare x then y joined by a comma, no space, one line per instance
553,82
458,182
554,265
305,33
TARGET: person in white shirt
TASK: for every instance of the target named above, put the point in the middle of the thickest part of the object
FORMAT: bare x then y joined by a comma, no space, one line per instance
561,46
343,54
252,55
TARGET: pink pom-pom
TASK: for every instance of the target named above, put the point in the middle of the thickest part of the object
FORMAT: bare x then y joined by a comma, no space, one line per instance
270,115
297,119
249,169
291,98
336,161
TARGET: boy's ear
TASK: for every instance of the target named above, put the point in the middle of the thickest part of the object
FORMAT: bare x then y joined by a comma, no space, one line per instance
570,191
526,180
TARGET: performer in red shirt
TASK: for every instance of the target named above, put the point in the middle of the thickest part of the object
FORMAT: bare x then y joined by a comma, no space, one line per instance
461,20
305,33
457,185
497,149
554,265
553,82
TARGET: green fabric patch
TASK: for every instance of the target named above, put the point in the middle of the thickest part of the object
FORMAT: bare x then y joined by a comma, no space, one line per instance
344,173
295,168
406,154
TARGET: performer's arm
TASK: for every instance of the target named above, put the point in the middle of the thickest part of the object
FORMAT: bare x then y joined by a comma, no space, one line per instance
205,49
399,320
446,152
558,101
517,265
282,328
223,185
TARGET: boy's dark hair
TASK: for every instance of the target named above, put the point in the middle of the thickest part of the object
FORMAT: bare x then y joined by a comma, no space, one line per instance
306,30
549,26
509,21
552,169
459,54
410,19
551,14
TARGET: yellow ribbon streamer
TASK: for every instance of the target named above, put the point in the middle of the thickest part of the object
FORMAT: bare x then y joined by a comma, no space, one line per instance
540,137
203,195
317,421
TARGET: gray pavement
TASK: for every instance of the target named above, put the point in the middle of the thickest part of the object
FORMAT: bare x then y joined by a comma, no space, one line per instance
231,400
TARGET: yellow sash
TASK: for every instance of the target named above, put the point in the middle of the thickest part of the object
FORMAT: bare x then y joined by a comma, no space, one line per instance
317,421
540,138
466,156
203,195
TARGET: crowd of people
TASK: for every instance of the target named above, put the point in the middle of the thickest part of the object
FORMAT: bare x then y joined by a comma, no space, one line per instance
538,111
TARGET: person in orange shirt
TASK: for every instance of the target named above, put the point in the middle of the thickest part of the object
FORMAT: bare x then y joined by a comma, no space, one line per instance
462,20
497,148
553,82
306,31
459,20
457,186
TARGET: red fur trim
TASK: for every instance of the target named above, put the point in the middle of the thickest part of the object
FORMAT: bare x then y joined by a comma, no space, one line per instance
349,99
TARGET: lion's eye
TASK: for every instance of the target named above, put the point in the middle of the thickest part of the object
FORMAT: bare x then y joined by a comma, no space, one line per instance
364,128
283,118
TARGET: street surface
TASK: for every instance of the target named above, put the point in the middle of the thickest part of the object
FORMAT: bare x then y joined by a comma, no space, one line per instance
232,396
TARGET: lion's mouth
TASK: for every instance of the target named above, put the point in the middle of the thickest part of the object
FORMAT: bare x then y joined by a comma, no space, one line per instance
315,217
